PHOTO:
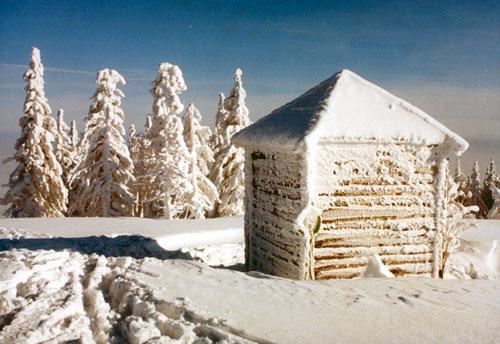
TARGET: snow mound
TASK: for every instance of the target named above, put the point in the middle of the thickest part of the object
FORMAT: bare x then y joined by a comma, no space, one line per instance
376,268
169,234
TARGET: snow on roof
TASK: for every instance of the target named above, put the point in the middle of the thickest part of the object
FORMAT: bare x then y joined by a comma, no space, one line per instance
346,106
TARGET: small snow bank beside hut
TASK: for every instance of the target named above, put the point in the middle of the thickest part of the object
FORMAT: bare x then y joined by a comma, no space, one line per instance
170,234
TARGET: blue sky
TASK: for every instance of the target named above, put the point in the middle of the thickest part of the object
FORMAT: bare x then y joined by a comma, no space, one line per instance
441,56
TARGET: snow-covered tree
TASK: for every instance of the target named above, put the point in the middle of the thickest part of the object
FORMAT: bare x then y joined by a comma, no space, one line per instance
204,193
494,212
134,146
78,153
490,181
142,162
220,139
238,117
462,183
228,170
64,149
475,189
36,186
74,136
197,138
229,178
101,179
167,156
147,126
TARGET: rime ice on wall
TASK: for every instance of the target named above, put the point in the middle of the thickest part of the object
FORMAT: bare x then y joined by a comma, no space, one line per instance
276,243
375,199
359,172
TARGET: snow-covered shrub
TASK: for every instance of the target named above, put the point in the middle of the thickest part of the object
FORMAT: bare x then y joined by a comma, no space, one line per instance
455,224
101,179
36,186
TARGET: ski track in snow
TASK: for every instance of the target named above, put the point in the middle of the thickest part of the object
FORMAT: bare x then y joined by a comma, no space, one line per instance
89,299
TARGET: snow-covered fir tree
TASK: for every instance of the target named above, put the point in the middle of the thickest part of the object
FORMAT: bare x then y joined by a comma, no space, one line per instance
102,177
78,153
238,117
204,193
173,179
494,212
134,141
462,183
74,136
220,138
147,125
36,186
143,188
490,181
167,156
64,149
475,189
229,178
228,170
197,138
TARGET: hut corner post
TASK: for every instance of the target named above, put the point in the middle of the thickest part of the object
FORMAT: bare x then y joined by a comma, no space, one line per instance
441,214
248,208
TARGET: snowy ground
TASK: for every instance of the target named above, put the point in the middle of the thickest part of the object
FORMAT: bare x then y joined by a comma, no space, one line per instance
76,287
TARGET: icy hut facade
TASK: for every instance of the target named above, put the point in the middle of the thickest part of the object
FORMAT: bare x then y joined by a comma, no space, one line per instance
345,171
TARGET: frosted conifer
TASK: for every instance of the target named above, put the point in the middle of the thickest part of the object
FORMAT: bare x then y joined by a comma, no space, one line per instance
461,181
204,193
197,139
168,156
74,136
134,147
475,188
228,170
102,177
64,149
238,117
490,181
220,139
36,187
142,164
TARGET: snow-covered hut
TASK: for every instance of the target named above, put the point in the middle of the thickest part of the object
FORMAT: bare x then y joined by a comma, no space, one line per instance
345,171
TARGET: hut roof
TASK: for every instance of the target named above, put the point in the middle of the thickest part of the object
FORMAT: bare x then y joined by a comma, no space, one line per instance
346,106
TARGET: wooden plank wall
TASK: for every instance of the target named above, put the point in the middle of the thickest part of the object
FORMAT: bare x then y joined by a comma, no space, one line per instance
374,199
276,245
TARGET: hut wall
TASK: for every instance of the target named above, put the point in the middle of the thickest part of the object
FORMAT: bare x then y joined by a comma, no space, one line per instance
275,185
374,199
